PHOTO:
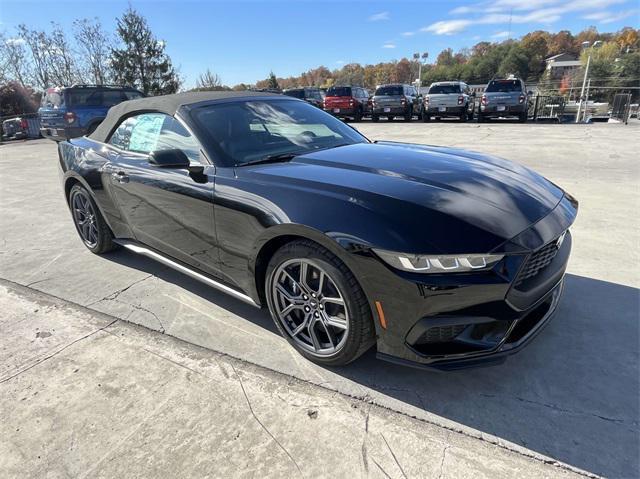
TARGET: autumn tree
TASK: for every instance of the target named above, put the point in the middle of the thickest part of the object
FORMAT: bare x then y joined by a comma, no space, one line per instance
141,60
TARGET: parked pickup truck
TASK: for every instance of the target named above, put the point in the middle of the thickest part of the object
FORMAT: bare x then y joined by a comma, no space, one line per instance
504,98
448,99
395,100
70,112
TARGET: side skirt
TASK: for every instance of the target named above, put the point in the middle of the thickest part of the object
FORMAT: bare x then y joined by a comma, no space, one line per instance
171,263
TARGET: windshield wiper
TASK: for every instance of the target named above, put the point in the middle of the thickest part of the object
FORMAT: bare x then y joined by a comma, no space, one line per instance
282,157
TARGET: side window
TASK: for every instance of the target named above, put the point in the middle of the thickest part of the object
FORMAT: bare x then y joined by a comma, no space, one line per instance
112,97
152,132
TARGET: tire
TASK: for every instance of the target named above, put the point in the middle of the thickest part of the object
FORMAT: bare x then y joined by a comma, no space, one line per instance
375,118
358,116
409,115
338,283
481,118
470,115
95,235
522,118
426,118
390,118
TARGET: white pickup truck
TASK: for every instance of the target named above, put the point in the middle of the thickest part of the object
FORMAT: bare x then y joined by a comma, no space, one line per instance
448,99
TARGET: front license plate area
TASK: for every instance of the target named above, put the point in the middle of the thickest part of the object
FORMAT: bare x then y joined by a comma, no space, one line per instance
442,108
501,108
336,110
387,109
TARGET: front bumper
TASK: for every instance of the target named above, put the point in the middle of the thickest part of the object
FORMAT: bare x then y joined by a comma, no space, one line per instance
454,321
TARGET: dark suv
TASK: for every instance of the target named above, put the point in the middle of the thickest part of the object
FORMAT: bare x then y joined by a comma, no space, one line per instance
504,98
347,102
309,94
69,112
396,100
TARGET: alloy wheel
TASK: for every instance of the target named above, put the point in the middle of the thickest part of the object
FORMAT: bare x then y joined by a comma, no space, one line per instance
84,216
310,307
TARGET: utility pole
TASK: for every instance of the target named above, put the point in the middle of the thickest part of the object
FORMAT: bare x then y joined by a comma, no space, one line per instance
584,80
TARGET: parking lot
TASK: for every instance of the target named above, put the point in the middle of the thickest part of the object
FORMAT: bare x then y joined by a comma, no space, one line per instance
571,395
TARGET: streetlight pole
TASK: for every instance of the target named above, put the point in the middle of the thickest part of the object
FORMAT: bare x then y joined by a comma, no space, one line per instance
584,84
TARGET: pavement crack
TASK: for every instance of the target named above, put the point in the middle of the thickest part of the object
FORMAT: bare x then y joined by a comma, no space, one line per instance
40,361
444,455
394,456
260,422
380,467
563,410
115,294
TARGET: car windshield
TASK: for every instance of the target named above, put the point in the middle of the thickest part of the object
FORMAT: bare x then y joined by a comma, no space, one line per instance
247,131
52,98
339,91
504,86
389,91
444,89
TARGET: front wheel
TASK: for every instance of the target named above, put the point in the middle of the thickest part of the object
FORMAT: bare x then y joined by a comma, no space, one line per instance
522,118
90,224
317,304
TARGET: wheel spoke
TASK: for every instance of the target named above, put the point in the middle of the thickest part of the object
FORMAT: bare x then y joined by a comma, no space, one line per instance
289,308
330,333
335,321
303,325
303,274
312,334
320,282
338,301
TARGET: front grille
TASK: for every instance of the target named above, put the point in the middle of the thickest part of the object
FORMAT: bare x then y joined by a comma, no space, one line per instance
441,334
538,261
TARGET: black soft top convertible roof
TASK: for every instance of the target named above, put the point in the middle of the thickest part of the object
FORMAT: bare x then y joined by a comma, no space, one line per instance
168,104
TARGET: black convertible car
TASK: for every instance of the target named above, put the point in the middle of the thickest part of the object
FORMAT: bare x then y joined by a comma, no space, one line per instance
441,257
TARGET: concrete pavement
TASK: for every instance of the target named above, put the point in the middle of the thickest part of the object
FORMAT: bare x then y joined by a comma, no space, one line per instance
83,394
572,395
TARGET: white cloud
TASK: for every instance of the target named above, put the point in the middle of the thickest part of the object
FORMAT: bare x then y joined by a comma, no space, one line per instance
389,45
15,41
500,12
447,27
610,17
408,34
377,17
504,34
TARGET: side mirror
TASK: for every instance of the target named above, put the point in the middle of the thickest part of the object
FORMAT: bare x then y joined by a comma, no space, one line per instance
173,158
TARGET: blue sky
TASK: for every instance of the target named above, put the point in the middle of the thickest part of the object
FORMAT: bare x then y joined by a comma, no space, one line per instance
243,40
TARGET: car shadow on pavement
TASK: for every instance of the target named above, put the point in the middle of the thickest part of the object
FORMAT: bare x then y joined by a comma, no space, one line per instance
571,394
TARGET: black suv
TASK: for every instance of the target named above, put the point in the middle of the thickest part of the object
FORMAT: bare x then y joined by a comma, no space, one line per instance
396,100
69,112
309,94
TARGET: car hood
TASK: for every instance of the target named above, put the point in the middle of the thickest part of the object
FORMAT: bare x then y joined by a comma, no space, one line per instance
436,192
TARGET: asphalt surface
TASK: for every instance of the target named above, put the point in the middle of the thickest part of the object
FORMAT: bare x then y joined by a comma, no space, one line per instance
572,395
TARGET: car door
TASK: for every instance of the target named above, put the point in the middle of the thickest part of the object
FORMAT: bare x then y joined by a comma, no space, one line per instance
169,209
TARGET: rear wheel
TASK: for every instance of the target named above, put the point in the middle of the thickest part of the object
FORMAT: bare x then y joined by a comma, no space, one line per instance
481,118
390,118
358,115
408,116
90,224
522,118
375,117
425,117
317,304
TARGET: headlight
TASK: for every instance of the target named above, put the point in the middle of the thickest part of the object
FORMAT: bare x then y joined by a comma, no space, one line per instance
458,263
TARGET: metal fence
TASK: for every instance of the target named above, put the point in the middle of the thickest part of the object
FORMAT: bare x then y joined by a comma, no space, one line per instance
621,107
549,108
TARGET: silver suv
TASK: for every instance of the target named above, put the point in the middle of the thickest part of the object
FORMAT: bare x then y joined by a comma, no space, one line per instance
447,99
504,98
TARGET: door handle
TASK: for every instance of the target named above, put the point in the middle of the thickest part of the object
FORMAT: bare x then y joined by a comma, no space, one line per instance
120,177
